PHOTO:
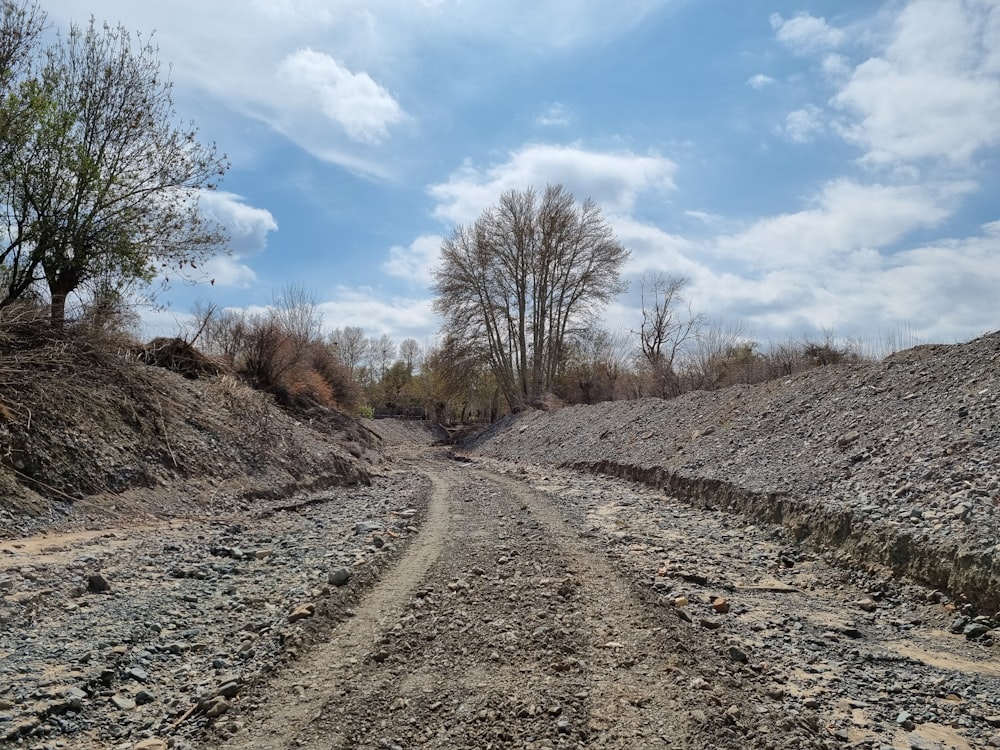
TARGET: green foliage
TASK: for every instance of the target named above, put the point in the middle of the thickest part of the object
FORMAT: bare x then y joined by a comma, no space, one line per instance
96,178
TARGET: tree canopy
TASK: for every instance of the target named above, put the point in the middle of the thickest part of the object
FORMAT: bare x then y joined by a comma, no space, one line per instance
98,181
523,279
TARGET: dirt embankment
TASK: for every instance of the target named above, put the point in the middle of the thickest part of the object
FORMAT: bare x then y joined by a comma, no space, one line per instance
95,439
893,464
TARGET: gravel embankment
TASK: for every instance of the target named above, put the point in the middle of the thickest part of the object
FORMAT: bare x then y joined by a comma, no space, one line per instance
893,464
121,639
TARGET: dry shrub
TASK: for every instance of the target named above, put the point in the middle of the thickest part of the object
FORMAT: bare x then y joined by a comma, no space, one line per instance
177,355
345,390
306,386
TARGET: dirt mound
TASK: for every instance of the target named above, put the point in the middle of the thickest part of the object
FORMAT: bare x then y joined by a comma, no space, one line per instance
896,463
97,436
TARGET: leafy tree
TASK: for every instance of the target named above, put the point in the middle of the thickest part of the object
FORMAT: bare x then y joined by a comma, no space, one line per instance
104,183
524,278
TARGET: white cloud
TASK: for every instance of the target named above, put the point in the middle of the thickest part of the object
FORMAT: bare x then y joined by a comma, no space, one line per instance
907,111
354,101
759,81
301,65
553,115
247,226
802,125
227,271
613,180
415,262
807,34
371,310
845,217
930,92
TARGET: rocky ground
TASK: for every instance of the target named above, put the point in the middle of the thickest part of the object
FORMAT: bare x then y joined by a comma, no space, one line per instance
746,593
895,463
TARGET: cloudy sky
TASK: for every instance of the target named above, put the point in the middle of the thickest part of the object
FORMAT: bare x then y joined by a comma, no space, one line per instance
808,165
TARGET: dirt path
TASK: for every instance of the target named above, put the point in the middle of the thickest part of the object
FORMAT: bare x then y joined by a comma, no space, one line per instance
328,668
503,627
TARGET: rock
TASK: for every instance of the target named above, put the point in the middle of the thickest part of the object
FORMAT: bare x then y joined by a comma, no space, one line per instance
302,611
738,656
367,527
217,706
229,689
138,673
122,702
144,697
867,604
720,605
97,584
905,720
339,577
151,744
975,630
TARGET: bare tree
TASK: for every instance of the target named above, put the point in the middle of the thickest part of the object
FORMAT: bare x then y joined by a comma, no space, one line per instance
668,325
295,308
409,353
381,353
350,345
523,278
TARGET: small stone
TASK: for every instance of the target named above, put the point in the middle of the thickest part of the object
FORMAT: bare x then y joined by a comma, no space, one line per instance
138,673
339,577
97,584
229,689
143,697
302,611
217,706
738,656
867,604
151,744
122,702
975,630
367,527
720,605
905,720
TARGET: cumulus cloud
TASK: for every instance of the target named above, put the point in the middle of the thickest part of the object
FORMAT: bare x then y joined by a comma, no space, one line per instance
614,180
806,34
802,125
247,226
844,217
759,81
416,261
228,271
930,91
370,309
354,101
322,72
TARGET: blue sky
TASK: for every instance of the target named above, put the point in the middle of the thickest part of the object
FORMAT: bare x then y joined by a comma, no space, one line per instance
807,165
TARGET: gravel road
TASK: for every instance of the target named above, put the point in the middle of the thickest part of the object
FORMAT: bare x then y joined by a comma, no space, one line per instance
475,603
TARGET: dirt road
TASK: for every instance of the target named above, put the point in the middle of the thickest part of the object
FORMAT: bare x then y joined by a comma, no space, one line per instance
536,610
